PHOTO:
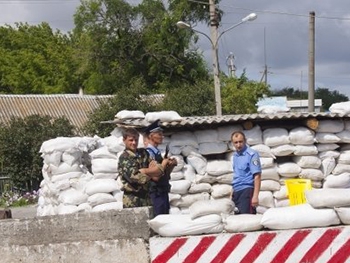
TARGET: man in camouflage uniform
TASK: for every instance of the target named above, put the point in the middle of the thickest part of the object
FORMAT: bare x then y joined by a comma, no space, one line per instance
136,169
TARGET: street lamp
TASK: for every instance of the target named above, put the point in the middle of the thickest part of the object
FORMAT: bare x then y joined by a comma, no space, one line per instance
214,45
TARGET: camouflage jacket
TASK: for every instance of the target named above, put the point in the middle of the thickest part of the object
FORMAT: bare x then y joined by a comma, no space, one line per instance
129,164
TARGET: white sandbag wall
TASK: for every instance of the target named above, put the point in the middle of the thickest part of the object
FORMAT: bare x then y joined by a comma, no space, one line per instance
201,182
285,154
68,186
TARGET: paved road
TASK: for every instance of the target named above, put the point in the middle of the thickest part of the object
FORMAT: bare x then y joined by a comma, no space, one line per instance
23,212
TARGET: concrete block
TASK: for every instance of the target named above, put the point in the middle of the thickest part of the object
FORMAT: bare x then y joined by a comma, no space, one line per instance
110,225
107,251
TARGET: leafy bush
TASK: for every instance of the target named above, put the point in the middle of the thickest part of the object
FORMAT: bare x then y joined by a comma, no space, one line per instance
13,199
20,142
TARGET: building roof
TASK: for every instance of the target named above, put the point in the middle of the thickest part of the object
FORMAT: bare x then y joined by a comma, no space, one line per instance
74,107
205,122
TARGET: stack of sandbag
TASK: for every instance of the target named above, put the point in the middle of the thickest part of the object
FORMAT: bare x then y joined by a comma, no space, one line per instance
204,217
65,175
324,207
69,186
208,142
335,162
337,199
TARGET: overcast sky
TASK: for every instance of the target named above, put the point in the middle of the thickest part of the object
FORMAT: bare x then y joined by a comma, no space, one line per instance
279,36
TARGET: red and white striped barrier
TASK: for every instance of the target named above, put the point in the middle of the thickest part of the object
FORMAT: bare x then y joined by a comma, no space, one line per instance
321,245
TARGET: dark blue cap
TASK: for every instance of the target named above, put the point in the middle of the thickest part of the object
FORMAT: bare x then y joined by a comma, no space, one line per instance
153,127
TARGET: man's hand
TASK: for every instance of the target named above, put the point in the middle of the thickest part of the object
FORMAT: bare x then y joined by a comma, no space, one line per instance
172,162
255,201
165,162
153,163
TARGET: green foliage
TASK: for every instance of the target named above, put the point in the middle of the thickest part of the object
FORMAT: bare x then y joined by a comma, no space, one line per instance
20,144
35,60
328,97
14,199
191,100
240,95
119,42
291,93
126,99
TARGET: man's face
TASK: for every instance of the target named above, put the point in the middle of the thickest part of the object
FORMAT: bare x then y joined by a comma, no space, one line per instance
156,137
131,143
238,142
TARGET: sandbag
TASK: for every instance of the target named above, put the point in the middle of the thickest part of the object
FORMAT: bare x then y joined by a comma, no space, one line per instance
343,214
337,181
299,216
183,225
242,223
207,207
301,136
254,135
320,198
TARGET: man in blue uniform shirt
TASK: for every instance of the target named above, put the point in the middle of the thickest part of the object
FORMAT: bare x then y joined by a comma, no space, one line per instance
247,175
159,190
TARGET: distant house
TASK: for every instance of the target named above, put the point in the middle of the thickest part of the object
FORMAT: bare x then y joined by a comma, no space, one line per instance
293,105
303,105
76,108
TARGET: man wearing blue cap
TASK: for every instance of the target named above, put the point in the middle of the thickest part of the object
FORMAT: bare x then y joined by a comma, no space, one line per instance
159,190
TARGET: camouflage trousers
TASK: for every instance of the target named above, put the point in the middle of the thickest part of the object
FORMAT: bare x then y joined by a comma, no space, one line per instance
131,200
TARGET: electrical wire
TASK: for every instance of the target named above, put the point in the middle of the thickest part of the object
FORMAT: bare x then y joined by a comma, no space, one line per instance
273,12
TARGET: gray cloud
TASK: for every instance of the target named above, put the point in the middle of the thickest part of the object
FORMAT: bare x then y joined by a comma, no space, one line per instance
286,27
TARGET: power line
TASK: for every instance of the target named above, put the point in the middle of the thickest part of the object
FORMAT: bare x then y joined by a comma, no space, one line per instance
273,12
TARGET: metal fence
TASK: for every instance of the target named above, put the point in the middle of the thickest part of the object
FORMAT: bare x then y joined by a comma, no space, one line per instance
5,184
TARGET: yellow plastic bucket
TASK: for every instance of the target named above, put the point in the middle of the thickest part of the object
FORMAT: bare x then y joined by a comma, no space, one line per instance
296,190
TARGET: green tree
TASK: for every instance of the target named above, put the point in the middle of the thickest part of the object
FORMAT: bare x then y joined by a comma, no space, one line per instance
20,144
291,93
36,60
127,99
120,42
329,97
240,95
191,100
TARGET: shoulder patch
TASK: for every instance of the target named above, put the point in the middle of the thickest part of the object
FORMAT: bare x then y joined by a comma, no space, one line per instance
256,162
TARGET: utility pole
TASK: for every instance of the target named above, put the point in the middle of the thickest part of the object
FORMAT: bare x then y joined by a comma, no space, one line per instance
214,23
266,71
311,95
231,66
214,38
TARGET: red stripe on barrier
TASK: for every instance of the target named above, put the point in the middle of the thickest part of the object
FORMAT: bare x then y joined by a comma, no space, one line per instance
230,245
199,249
170,251
342,254
290,246
321,245
259,246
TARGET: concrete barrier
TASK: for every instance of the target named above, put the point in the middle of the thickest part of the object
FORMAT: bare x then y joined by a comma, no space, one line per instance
111,236
317,245
124,236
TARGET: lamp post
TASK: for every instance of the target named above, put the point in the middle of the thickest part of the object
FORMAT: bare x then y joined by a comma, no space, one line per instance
214,46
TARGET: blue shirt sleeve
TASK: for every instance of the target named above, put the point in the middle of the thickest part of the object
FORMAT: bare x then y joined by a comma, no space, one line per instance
255,166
